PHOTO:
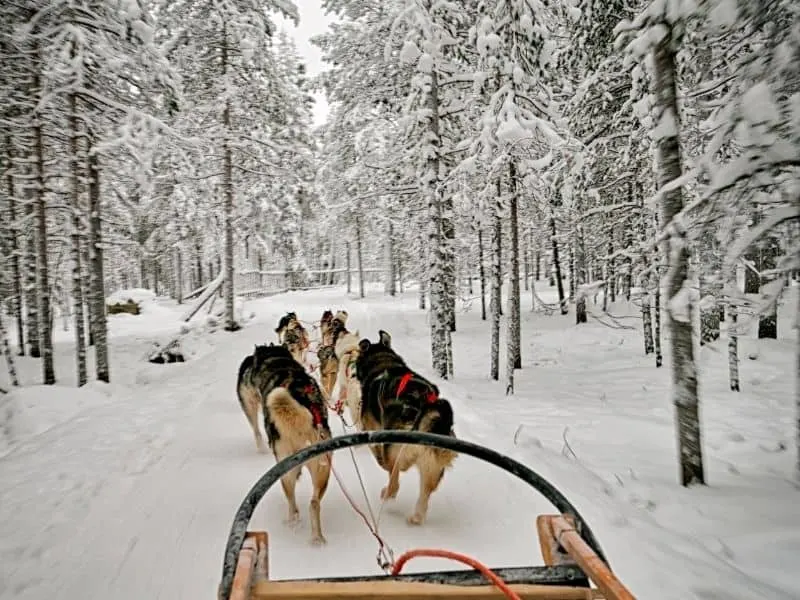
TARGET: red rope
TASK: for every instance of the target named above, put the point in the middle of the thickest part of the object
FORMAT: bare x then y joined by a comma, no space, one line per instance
463,558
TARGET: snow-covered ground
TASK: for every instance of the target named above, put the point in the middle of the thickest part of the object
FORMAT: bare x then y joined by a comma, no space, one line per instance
127,491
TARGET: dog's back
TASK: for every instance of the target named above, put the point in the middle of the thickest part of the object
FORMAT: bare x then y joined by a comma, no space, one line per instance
395,396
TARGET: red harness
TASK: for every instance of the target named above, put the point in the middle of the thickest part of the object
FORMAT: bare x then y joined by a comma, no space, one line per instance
316,413
430,398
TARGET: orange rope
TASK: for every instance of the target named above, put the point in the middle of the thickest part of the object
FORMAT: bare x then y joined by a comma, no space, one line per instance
463,558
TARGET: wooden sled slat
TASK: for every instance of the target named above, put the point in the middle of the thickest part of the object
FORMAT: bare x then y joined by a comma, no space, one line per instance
587,559
400,590
252,565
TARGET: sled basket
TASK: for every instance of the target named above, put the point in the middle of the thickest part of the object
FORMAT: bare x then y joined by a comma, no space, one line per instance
575,567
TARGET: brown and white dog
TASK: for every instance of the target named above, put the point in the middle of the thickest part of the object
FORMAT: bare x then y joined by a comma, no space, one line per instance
294,337
391,395
295,416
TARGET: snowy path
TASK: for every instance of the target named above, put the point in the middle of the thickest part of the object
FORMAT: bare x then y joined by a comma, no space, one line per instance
130,494
145,511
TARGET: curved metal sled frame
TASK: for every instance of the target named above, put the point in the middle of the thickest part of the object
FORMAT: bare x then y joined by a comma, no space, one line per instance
571,552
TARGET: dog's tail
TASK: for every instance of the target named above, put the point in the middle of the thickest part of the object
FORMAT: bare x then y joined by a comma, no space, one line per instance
289,416
437,417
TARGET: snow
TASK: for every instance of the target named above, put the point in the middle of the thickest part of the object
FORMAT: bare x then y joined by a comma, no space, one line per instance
667,126
724,14
758,106
127,491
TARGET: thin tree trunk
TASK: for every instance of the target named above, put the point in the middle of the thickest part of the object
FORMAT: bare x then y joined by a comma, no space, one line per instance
391,276
514,325
437,247
96,278
359,257
178,275
449,257
733,349
350,269
77,274
647,320
31,303
482,272
496,283
12,369
42,271
562,301
16,276
684,372
227,183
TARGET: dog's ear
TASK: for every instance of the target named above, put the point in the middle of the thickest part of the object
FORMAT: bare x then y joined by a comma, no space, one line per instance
385,338
363,345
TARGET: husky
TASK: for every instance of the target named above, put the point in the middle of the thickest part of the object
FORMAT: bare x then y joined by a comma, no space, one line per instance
332,327
295,416
294,336
393,396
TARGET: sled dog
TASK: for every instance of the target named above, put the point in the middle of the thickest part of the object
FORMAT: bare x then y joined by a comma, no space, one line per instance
393,396
294,336
295,415
331,327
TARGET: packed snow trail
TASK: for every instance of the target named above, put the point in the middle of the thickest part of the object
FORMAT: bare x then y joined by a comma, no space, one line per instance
127,491
145,512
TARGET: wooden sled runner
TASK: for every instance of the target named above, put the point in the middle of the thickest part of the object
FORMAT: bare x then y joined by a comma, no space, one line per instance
575,566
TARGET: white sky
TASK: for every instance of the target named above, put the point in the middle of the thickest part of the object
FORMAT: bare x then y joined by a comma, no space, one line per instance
312,21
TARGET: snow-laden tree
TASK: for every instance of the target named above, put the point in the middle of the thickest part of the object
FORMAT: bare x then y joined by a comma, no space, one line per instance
428,29
659,29
232,90
514,52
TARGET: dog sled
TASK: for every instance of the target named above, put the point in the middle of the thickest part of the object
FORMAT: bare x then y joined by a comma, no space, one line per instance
575,566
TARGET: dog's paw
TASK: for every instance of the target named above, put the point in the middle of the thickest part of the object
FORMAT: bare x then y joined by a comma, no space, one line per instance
387,494
415,519
293,519
318,540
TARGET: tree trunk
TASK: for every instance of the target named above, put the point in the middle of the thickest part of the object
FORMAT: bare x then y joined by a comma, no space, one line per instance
97,298
684,372
562,301
482,272
391,276
733,349
437,246
16,275
31,303
350,269
77,272
647,321
514,313
449,265
359,257
42,271
496,282
178,275
227,184
12,369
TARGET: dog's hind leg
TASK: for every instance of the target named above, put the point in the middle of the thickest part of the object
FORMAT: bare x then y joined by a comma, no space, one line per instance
289,483
392,465
251,401
430,475
320,475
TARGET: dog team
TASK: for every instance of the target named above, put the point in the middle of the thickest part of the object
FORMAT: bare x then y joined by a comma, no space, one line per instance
373,381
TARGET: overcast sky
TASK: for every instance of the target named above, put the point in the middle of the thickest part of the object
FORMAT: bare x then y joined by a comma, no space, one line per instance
312,21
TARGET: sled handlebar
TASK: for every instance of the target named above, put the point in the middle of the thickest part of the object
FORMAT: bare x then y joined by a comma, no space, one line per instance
366,438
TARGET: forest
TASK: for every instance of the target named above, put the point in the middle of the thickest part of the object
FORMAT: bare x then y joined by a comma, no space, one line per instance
648,149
